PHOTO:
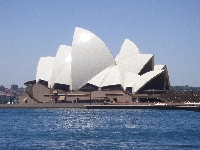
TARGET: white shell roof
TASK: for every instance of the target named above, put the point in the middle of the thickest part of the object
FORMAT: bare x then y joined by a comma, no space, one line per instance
145,78
128,49
113,77
90,61
90,56
62,61
159,67
44,68
109,76
131,79
65,77
99,78
133,64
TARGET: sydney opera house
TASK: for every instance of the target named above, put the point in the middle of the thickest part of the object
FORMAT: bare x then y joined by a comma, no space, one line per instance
87,72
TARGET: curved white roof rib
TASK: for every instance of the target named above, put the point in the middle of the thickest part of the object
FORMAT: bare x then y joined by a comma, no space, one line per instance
62,61
44,68
65,77
113,77
131,79
98,79
109,76
145,78
159,67
128,49
90,56
133,64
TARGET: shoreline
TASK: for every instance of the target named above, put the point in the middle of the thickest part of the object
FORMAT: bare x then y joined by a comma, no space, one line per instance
171,106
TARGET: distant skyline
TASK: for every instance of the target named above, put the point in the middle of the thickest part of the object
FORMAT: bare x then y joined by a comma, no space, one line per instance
170,30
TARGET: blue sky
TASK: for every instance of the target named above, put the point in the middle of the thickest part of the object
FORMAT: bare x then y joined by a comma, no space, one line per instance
30,29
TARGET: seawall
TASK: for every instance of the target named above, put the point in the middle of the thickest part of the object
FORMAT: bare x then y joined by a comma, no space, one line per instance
177,106
45,105
166,107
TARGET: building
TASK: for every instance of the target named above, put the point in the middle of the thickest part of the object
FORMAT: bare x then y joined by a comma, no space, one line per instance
2,88
14,87
88,72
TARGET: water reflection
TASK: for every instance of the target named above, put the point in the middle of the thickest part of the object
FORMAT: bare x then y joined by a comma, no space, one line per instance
98,129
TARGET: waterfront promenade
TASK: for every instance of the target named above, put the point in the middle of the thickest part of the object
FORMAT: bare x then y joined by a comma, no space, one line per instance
167,106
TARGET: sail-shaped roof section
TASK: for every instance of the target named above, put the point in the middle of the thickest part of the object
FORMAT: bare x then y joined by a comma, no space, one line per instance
131,79
62,61
44,68
164,67
159,67
89,62
90,56
109,76
145,78
99,78
65,77
113,77
128,49
134,64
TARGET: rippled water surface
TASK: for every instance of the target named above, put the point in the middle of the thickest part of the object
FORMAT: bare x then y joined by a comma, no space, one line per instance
98,129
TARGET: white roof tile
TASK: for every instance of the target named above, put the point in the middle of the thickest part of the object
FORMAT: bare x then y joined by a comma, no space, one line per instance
90,56
128,49
112,78
133,64
145,78
62,62
159,67
99,78
44,68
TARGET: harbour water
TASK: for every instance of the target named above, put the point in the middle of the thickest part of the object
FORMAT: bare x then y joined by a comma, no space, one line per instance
64,128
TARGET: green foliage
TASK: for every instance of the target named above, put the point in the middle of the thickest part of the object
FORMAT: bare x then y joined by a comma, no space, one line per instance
3,101
187,88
